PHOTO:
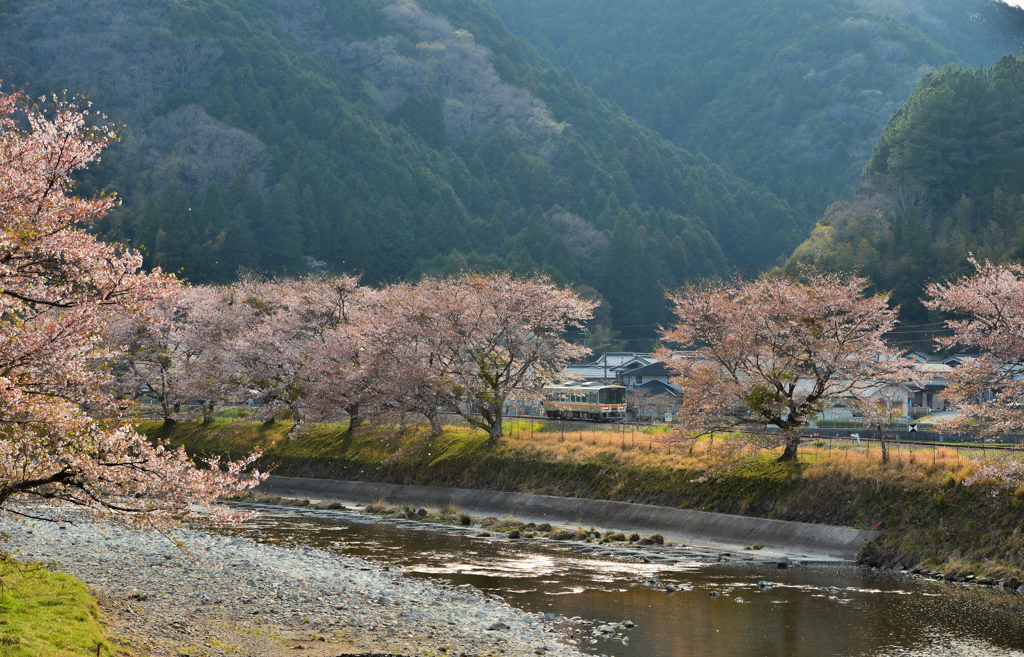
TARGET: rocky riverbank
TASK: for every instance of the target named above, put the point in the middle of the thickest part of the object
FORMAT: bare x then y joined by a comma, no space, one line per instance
231,595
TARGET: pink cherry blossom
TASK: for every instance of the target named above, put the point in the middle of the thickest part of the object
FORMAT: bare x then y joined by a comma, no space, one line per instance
63,432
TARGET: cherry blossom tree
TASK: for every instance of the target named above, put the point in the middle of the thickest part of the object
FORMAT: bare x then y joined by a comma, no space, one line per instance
178,357
62,430
773,352
276,320
340,368
989,307
494,338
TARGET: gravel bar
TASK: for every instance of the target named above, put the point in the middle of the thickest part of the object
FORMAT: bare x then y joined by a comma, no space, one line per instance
230,595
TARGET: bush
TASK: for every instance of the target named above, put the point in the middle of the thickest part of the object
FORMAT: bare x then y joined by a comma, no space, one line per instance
488,522
508,523
634,538
615,537
465,519
376,507
560,535
656,539
544,527
335,506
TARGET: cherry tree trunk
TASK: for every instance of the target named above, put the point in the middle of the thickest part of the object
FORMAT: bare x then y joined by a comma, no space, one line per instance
881,441
435,424
495,431
355,419
789,453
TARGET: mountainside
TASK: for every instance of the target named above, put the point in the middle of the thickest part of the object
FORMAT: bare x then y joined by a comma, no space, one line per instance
946,180
388,138
790,94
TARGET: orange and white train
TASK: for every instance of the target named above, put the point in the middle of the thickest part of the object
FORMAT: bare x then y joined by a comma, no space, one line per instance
585,401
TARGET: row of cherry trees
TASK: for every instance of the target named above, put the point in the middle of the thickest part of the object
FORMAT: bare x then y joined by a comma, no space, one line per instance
775,352
84,333
324,346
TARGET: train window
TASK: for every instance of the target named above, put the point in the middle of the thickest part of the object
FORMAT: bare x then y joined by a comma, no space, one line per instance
611,396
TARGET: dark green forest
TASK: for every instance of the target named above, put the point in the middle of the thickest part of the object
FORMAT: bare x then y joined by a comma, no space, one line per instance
620,147
946,180
791,95
387,138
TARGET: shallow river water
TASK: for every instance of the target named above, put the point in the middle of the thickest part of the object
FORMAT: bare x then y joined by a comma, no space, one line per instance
810,610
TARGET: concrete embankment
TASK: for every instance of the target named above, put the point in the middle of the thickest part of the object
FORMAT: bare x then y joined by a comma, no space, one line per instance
731,532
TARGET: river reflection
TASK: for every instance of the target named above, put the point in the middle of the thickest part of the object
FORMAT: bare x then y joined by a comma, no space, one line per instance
864,613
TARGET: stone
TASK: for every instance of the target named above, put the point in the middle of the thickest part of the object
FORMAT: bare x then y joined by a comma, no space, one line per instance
497,626
671,588
714,594
782,563
1020,589
422,513
628,623
606,629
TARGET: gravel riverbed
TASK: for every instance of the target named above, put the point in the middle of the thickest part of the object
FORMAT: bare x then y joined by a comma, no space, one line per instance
230,595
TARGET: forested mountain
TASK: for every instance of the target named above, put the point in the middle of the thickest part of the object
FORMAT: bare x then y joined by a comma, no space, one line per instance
946,179
789,94
385,137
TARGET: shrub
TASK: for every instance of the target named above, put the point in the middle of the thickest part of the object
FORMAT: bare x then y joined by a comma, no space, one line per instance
634,538
615,537
656,539
544,527
509,523
465,519
376,507
489,522
560,535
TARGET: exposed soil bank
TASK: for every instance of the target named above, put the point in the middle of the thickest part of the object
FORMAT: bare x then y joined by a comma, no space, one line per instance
731,532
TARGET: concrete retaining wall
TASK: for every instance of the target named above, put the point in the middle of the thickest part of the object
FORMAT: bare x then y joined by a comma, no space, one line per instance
695,527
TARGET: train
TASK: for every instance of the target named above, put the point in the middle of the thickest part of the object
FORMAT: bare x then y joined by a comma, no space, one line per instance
585,401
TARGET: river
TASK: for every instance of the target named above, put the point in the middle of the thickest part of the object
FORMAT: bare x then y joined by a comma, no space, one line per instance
719,609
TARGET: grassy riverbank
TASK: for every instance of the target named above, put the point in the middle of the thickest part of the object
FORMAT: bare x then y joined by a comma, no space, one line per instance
48,613
933,507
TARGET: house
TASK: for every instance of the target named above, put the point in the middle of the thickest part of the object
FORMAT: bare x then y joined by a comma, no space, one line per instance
644,374
927,394
607,368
